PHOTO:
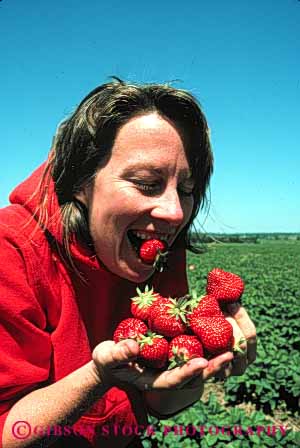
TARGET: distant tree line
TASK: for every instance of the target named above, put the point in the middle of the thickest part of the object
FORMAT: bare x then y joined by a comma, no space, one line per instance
242,237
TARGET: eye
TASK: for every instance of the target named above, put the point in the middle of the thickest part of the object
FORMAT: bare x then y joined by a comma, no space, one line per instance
148,187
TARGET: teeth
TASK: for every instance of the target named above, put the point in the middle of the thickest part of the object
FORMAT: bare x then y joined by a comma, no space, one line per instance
146,236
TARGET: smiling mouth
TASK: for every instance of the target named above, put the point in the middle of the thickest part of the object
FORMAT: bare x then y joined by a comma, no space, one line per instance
136,241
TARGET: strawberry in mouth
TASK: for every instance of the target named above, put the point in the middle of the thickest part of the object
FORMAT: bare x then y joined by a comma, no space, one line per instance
151,250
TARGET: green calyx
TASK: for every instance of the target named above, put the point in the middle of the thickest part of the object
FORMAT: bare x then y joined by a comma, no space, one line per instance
194,300
178,308
145,298
147,339
178,359
237,346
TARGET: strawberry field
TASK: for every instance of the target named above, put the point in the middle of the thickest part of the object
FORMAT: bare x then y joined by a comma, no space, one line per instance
268,394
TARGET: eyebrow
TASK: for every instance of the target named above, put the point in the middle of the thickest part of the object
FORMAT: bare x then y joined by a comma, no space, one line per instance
186,173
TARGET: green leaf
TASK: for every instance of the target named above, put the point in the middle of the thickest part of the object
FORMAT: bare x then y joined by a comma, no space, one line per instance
269,441
146,443
211,439
255,439
224,436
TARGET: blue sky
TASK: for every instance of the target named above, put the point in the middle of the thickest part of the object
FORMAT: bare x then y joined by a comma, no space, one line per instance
240,58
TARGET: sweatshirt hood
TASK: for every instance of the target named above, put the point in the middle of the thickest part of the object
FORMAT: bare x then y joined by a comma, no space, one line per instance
27,194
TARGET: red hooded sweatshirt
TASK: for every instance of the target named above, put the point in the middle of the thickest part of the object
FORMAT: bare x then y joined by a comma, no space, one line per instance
50,321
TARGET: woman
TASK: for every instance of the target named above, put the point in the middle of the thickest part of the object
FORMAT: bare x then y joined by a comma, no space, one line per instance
131,160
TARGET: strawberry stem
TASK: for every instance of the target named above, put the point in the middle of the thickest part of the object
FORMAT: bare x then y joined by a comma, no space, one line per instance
237,346
160,262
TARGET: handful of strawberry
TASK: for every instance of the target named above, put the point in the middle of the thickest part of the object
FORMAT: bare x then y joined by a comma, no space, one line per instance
176,330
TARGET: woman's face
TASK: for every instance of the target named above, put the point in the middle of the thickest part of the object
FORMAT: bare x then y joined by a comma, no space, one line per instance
146,186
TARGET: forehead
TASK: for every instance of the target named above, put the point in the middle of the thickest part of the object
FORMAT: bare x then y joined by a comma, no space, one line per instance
151,127
149,137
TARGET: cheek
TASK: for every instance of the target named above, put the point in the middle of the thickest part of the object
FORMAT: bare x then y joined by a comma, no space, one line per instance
117,217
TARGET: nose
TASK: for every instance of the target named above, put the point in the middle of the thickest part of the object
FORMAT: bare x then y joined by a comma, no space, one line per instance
168,207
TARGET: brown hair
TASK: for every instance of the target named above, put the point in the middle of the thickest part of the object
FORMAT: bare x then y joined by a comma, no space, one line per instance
83,144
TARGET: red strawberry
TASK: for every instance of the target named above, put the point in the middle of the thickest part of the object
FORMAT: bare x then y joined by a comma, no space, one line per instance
215,333
182,348
141,304
208,306
153,350
152,250
225,286
130,328
167,316
156,307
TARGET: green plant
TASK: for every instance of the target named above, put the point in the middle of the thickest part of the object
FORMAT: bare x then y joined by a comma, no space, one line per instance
212,425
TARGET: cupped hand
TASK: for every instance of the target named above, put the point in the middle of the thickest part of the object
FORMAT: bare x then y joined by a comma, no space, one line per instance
116,364
243,330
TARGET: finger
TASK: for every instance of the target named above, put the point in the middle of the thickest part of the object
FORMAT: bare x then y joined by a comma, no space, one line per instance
243,320
177,377
238,335
216,364
239,363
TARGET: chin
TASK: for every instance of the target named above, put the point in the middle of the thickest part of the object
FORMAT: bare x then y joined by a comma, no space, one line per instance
137,277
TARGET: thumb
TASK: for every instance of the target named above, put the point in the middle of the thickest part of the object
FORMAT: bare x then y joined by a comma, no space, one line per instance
111,354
